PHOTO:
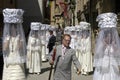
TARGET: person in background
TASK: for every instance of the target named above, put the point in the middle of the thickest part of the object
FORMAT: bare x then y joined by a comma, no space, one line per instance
34,61
52,40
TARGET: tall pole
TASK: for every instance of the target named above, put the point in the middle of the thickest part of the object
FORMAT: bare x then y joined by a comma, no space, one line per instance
74,17
41,8
72,6
91,22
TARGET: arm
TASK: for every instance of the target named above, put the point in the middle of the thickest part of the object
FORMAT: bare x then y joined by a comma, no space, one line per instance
6,43
52,56
29,44
114,45
76,63
19,42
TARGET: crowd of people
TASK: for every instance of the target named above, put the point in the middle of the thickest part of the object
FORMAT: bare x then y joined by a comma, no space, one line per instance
74,46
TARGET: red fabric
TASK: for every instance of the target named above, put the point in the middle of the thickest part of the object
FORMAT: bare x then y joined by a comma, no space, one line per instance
54,53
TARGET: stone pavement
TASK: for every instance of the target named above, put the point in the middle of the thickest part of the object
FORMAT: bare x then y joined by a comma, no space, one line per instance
45,73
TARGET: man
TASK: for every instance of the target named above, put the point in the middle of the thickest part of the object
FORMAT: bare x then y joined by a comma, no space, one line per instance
63,60
52,41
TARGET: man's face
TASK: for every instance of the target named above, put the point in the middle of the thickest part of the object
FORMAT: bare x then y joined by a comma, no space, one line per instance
50,32
66,41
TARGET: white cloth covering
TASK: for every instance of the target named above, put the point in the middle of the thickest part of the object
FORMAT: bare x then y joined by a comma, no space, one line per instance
14,45
107,49
34,61
86,56
84,48
34,49
43,41
109,68
13,72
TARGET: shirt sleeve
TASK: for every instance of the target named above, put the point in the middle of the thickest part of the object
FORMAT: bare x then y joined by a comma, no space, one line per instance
75,61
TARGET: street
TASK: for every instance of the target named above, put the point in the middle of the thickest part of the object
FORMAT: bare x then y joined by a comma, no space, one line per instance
45,74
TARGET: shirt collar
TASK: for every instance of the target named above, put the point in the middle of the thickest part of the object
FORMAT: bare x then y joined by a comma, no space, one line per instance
63,46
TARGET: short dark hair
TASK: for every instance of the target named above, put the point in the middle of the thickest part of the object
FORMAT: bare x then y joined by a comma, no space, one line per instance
64,35
50,31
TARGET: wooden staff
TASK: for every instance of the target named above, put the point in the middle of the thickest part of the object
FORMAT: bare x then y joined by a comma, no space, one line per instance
53,58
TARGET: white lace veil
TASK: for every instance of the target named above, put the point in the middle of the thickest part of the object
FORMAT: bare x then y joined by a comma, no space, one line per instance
85,30
78,34
85,33
108,36
34,34
66,30
43,34
13,30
